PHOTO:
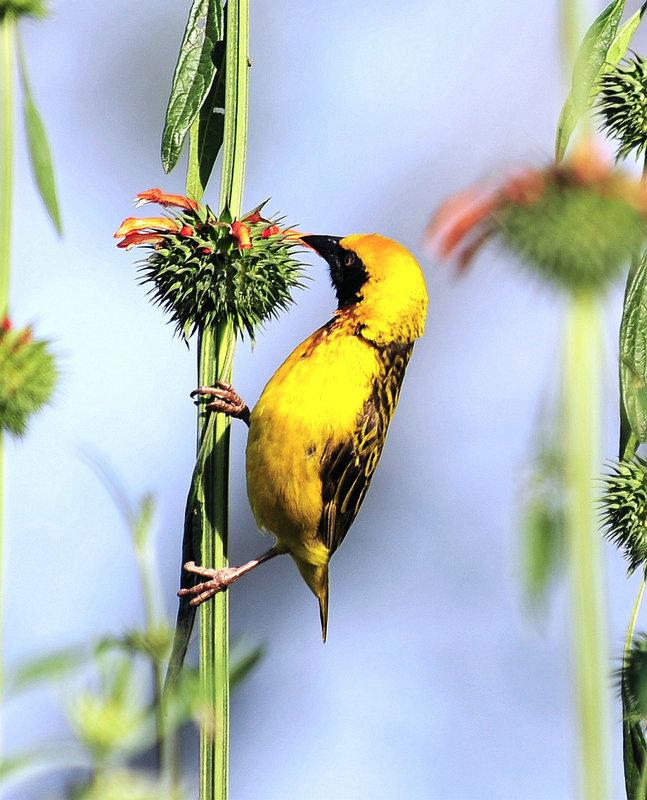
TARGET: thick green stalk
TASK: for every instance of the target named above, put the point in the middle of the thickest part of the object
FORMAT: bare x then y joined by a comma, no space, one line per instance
216,353
582,434
8,38
216,357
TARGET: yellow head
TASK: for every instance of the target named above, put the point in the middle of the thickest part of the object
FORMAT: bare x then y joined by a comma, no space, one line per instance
379,285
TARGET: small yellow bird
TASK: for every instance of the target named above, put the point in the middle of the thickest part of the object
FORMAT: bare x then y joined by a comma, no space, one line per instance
317,431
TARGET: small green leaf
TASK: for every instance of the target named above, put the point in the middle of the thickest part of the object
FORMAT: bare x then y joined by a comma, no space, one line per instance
565,127
633,354
622,39
39,151
49,667
193,77
593,53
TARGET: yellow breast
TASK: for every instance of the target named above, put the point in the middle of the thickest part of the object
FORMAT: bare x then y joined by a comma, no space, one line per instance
312,400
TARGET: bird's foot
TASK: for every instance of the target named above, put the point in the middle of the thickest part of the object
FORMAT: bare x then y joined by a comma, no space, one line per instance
225,399
219,580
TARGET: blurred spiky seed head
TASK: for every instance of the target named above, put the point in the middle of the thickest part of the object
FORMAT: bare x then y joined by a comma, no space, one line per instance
23,8
577,234
28,376
624,509
622,105
576,224
634,677
203,270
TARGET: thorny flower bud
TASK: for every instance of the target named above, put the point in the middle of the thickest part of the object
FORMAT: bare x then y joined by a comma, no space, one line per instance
203,269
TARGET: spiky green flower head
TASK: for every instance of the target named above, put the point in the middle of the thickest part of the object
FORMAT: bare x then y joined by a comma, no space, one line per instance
23,8
622,105
28,376
624,509
203,270
575,224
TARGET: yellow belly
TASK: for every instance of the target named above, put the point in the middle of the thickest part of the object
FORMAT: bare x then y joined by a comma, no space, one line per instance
313,399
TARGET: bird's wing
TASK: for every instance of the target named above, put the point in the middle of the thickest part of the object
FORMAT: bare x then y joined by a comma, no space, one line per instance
347,469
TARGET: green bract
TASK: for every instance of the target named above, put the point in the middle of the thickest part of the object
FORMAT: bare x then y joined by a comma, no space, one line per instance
624,509
28,376
622,105
577,235
22,8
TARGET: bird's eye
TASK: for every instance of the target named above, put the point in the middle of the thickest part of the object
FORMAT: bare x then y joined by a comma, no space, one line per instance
349,259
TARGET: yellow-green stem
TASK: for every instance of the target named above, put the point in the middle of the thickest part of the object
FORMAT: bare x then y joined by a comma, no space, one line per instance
216,354
7,35
589,641
216,363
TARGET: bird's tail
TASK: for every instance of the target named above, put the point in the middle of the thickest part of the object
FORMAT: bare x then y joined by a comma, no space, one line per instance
316,576
322,596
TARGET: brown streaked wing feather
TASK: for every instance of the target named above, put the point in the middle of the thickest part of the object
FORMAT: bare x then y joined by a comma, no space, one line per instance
347,470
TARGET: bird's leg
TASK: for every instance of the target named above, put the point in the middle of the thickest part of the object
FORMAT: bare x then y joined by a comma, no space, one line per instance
226,400
219,579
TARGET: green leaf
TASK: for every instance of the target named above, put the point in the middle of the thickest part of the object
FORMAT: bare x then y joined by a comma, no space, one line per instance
593,53
602,48
193,77
633,356
212,118
542,513
48,668
567,121
623,38
39,151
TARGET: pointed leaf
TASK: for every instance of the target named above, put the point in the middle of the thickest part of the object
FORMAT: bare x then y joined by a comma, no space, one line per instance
622,39
634,748
39,151
633,352
212,118
565,127
49,667
593,52
193,77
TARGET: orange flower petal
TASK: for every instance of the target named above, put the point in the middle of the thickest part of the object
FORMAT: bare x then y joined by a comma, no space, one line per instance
273,230
158,196
457,217
241,232
135,238
134,224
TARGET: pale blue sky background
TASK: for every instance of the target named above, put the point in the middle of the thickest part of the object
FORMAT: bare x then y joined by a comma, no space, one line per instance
434,684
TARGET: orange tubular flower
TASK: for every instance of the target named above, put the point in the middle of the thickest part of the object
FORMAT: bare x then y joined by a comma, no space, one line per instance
133,239
253,218
158,196
241,232
134,224
273,230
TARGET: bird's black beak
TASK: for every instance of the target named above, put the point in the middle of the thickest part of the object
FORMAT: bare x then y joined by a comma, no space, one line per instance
326,246
347,272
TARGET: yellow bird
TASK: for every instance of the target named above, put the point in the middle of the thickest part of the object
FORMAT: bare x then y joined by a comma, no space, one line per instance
317,431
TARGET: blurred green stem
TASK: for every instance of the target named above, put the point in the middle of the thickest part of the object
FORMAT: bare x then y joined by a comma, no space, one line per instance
582,434
8,36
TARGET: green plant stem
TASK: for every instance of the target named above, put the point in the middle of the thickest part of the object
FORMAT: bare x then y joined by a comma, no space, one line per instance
8,37
581,421
215,362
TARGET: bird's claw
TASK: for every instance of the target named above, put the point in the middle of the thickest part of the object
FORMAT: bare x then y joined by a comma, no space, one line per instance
219,580
225,399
